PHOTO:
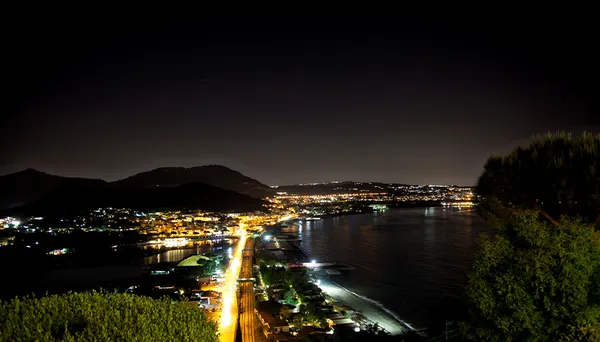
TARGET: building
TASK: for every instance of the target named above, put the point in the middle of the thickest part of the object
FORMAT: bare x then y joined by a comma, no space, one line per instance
272,324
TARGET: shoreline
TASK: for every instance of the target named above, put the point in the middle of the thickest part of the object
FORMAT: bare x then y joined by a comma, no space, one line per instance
371,309
391,205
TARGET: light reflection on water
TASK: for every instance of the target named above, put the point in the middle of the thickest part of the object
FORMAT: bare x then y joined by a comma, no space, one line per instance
90,276
176,255
404,258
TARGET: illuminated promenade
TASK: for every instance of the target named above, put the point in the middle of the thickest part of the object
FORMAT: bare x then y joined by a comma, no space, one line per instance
229,316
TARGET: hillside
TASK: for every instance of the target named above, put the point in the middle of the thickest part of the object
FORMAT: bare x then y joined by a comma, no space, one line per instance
189,196
215,175
29,185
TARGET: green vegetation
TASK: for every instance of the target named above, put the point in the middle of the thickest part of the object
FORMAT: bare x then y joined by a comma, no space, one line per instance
267,258
290,297
534,281
538,278
294,287
305,289
273,274
98,316
557,174
312,316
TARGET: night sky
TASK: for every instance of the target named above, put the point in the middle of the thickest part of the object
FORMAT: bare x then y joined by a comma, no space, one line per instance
292,101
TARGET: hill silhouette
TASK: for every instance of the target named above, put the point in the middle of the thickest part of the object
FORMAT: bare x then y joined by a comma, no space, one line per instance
179,186
215,175
29,185
66,201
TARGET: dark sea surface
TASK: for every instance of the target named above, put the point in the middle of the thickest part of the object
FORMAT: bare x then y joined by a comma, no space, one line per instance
405,259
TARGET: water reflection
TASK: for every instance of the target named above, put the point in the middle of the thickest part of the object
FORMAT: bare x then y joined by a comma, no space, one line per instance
405,258
176,255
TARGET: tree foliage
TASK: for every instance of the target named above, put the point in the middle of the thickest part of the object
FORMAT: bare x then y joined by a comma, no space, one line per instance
98,316
536,282
290,296
557,174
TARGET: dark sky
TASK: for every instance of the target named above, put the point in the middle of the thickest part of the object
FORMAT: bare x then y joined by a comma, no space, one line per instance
292,101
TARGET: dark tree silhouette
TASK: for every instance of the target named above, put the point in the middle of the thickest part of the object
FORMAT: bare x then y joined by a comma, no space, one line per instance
538,278
558,175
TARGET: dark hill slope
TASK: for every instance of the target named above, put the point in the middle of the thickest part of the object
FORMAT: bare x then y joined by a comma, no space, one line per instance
215,175
26,186
189,196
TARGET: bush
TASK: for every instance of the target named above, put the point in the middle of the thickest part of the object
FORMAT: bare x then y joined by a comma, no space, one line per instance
536,282
97,316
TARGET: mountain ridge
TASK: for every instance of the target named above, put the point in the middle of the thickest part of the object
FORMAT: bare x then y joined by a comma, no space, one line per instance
30,185
188,196
216,175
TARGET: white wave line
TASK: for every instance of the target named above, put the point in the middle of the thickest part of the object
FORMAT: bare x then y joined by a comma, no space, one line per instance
378,304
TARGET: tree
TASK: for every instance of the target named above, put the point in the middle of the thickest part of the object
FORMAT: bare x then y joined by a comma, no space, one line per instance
558,174
534,281
290,296
286,312
98,316
298,320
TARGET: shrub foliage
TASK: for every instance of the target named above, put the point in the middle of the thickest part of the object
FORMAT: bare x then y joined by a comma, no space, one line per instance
97,316
536,282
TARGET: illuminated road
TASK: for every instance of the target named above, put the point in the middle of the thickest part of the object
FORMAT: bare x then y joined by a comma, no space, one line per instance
229,315
247,316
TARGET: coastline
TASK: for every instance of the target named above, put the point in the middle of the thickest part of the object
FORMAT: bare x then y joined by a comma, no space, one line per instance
391,205
372,310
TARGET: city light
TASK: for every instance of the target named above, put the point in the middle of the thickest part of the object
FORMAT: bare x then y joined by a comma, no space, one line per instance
174,242
230,285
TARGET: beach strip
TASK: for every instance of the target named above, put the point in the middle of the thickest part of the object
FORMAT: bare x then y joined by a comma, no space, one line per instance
372,310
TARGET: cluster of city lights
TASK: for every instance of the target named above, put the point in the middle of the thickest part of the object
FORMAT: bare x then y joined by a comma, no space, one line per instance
229,288
171,242
8,222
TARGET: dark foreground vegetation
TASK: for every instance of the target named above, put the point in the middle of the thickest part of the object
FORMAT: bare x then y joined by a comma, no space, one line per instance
95,316
538,278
